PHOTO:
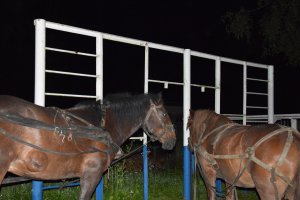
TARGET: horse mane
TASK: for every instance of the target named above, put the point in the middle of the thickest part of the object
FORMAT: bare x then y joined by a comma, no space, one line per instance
212,115
88,103
126,107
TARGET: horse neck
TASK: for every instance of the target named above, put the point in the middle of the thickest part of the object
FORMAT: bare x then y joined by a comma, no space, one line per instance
121,129
214,122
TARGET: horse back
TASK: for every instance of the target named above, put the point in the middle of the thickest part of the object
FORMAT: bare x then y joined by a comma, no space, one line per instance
43,159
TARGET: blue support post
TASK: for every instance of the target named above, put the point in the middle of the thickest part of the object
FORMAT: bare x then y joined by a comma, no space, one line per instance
145,162
37,190
186,173
99,190
218,187
193,166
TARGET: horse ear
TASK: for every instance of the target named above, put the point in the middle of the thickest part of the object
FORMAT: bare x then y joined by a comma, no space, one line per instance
190,120
192,113
159,97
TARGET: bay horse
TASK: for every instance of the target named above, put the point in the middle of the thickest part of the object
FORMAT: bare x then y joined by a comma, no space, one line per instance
47,143
265,157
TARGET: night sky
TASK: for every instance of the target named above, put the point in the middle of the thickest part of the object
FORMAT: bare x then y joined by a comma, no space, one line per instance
188,24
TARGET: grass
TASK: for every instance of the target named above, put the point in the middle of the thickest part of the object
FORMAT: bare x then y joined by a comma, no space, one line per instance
122,185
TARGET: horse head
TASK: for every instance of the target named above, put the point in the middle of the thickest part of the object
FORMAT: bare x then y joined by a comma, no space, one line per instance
158,125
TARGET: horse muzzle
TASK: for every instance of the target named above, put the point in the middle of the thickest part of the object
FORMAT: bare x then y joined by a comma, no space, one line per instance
169,144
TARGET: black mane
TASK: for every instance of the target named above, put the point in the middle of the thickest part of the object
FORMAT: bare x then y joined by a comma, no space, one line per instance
127,107
124,106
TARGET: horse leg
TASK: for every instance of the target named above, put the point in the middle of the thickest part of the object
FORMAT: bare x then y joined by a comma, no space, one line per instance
92,173
209,176
266,188
293,192
4,165
230,192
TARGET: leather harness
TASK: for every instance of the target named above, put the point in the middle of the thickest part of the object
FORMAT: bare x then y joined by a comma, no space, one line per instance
249,154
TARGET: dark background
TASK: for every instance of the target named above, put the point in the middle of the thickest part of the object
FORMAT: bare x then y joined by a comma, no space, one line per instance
190,24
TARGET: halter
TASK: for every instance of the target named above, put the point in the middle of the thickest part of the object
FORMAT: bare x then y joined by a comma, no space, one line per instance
153,109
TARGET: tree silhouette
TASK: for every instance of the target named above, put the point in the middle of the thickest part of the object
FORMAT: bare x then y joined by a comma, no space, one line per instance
274,24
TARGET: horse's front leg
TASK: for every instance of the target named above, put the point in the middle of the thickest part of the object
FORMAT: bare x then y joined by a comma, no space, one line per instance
209,177
230,192
91,175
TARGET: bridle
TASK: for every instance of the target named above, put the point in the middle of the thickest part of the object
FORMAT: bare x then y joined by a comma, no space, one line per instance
165,128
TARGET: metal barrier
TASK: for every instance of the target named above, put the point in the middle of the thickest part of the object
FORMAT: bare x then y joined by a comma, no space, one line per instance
40,93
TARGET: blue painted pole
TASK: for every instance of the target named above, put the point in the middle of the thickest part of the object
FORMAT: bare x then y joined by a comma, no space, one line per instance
51,187
218,187
186,173
193,166
145,162
37,190
99,190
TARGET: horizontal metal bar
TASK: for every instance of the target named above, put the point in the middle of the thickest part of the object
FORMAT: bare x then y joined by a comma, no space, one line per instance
288,116
177,83
71,29
241,62
70,73
257,93
258,107
257,121
71,52
69,95
203,55
252,64
238,115
81,31
122,39
255,79
165,47
86,32
137,138
169,82
50,187
205,86
277,116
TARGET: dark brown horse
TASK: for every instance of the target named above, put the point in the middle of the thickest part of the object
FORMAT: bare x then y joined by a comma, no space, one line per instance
51,144
265,157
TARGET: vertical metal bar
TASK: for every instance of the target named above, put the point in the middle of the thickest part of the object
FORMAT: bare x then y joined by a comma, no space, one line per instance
145,163
218,104
146,73
99,94
99,67
40,62
145,155
99,190
39,85
294,124
186,134
244,93
271,94
218,85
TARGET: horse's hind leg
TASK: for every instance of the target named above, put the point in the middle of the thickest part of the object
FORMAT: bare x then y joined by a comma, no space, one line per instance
269,190
4,165
90,178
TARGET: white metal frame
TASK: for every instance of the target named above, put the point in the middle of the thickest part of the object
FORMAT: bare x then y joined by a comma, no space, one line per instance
40,71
